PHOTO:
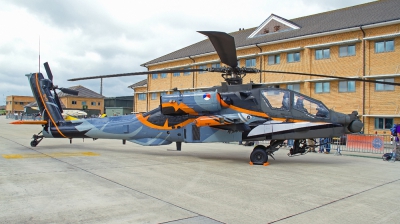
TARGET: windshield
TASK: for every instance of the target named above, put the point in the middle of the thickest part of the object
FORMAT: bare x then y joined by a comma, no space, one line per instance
277,98
284,100
310,106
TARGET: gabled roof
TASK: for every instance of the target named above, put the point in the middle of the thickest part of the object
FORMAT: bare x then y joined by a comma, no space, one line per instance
351,17
273,24
139,84
83,92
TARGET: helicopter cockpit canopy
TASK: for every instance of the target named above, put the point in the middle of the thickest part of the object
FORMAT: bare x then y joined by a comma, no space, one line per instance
281,99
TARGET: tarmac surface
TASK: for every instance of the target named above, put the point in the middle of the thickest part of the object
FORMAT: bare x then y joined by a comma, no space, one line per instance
104,181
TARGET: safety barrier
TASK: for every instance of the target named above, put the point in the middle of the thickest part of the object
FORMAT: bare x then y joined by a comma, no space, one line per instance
363,143
23,117
368,143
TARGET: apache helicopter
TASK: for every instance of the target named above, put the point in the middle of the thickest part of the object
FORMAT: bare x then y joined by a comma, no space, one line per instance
231,112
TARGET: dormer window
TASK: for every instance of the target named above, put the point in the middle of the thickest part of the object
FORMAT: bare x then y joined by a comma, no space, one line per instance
276,28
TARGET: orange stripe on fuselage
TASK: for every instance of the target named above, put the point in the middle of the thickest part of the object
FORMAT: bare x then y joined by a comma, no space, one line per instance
45,106
144,121
221,102
250,112
182,106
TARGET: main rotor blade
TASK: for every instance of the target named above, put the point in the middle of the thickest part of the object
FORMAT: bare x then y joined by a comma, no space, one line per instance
48,71
69,91
138,73
336,77
224,44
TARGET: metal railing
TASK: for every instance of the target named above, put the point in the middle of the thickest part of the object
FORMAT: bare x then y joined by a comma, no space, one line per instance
24,117
363,143
368,143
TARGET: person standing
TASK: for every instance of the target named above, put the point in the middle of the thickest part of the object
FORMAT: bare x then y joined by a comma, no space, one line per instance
327,142
321,145
396,149
290,143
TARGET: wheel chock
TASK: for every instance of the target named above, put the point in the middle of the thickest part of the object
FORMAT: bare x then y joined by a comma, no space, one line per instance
266,164
251,163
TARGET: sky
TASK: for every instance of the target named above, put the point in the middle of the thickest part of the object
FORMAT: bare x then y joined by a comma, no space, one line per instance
100,37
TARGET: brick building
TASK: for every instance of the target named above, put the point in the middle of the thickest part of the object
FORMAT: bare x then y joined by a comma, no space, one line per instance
359,41
15,104
87,100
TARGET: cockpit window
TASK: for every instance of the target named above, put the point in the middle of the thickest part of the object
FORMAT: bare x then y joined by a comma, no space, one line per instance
308,105
277,98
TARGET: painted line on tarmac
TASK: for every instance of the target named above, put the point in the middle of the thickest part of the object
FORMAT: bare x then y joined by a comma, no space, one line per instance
48,155
340,199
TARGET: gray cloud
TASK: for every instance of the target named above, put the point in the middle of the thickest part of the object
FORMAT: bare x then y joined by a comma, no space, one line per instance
85,38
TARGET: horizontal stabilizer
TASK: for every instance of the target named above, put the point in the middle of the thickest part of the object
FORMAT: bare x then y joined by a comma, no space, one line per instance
29,122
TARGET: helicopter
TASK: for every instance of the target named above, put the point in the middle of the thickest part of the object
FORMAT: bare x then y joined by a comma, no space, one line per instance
231,112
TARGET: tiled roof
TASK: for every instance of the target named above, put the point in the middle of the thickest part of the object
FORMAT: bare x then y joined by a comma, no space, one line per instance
140,83
83,92
350,17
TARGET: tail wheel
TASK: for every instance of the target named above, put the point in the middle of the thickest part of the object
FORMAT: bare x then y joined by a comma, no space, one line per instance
34,143
259,156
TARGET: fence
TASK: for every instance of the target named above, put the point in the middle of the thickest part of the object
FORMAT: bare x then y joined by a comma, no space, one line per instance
364,143
23,117
368,143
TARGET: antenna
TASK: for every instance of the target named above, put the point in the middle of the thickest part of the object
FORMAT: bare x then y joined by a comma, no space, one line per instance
39,53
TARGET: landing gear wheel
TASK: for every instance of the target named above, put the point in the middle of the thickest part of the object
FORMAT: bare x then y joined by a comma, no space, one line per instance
259,156
36,139
34,143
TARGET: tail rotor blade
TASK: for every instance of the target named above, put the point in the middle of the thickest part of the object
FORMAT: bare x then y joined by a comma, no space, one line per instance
48,71
69,91
58,101
224,44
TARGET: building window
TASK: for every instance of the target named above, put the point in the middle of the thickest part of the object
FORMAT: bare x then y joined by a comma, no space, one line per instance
294,87
16,103
176,74
349,50
73,102
202,67
83,103
384,46
238,63
93,103
251,62
21,103
293,57
347,86
163,75
384,87
163,93
216,65
383,123
142,96
274,59
98,103
154,96
186,72
322,54
154,76
322,87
